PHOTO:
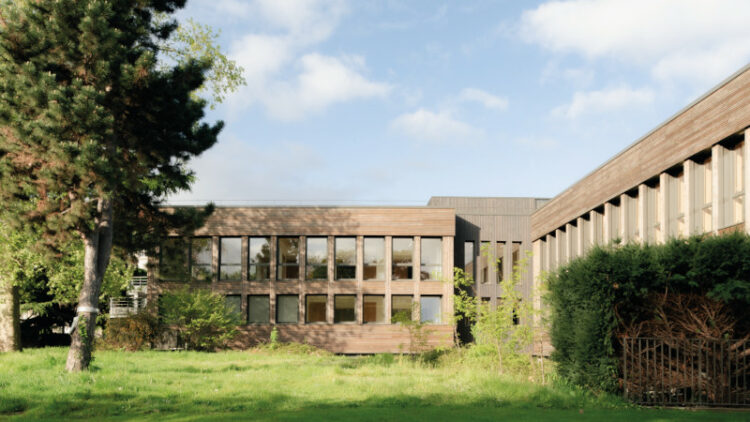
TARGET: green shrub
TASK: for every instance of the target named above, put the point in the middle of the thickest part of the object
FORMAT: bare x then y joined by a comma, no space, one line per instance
603,296
132,333
200,318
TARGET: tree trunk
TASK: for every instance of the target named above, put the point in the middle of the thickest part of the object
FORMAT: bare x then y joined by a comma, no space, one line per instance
97,249
10,318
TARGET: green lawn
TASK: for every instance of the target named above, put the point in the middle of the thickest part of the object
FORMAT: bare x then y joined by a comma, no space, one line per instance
281,386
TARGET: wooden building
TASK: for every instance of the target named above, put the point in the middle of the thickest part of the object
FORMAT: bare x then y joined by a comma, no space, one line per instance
329,276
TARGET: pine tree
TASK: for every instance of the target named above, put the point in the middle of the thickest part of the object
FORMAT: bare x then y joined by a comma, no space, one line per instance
93,132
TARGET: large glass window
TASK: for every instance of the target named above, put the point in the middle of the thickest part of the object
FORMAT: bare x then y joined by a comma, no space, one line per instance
258,309
288,258
287,309
431,262
315,308
230,258
345,251
401,306
403,258
343,308
317,258
500,261
373,309
234,305
429,309
259,258
374,253
201,256
173,264
469,258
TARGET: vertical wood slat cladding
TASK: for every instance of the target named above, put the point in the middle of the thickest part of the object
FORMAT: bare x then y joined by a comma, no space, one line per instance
720,114
309,221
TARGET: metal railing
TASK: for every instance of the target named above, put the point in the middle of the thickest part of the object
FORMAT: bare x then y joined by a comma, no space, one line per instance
120,307
686,372
138,284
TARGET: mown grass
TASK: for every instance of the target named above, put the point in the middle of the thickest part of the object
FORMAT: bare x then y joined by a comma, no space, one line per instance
284,385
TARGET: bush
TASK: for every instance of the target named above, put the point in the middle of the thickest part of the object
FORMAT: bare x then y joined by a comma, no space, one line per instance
619,291
132,333
200,318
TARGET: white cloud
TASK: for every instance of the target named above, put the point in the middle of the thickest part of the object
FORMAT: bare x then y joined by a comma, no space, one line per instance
322,82
604,101
282,75
438,127
694,40
482,97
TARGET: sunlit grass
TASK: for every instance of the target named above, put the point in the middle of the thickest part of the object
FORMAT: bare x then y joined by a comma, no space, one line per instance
282,385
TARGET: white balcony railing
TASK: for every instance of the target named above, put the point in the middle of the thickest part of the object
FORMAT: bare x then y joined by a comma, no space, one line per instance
120,307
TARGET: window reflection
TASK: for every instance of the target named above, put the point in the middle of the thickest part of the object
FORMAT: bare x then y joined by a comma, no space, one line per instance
403,258
259,267
345,250
288,258
374,258
317,258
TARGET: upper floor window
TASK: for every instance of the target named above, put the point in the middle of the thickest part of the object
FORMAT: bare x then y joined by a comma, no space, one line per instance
288,258
201,257
317,258
374,253
230,258
259,258
173,263
469,258
403,258
500,261
345,251
431,262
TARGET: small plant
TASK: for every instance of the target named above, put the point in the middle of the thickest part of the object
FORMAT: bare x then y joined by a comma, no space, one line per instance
274,338
418,335
200,318
132,333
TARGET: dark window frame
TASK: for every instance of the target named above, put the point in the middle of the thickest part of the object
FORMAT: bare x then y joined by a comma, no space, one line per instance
336,270
354,309
221,256
258,266
280,265
308,266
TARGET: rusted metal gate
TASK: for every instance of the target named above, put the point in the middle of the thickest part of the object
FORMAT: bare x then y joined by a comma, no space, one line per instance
686,372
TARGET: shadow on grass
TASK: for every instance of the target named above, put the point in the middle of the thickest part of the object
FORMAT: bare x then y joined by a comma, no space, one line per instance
90,405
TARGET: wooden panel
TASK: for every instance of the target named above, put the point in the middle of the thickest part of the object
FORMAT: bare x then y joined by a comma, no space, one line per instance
721,113
256,221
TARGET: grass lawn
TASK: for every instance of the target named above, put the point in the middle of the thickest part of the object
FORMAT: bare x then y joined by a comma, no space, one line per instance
284,386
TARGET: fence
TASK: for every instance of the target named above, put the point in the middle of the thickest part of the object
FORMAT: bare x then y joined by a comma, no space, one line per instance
686,372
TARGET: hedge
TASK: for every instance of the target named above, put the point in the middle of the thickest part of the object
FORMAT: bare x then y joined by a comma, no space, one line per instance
593,300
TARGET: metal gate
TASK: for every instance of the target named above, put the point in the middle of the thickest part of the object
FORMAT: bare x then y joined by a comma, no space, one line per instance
685,372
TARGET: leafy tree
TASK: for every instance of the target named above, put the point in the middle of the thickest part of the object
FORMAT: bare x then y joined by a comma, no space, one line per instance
94,133
200,318
35,280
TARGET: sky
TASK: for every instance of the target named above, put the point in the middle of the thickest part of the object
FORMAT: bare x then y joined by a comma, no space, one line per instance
359,102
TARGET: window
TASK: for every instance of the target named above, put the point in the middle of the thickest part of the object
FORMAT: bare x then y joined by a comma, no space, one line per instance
287,309
484,262
258,309
345,251
515,256
259,267
317,258
315,308
343,308
373,309
288,258
173,259
431,262
374,253
234,305
469,258
429,309
403,258
500,260
201,256
401,305
230,258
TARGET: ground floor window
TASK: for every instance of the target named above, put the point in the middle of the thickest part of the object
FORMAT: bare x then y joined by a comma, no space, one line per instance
429,309
373,309
401,304
343,308
315,308
258,309
234,305
287,309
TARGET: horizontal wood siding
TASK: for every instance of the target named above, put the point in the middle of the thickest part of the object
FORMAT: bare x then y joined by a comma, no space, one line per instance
720,114
309,221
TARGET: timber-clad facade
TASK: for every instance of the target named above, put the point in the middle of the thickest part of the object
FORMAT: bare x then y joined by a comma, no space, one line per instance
334,276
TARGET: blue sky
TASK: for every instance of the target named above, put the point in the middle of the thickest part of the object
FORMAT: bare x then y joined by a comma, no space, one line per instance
390,102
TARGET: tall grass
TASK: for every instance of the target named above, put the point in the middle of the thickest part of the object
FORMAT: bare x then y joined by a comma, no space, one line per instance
288,383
